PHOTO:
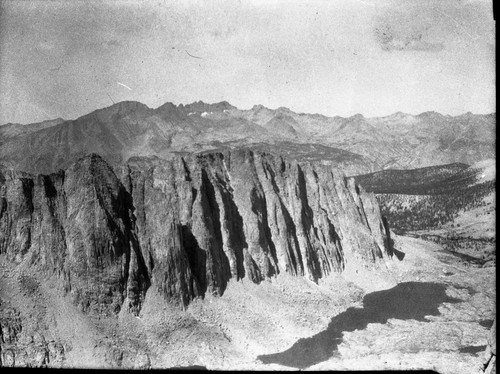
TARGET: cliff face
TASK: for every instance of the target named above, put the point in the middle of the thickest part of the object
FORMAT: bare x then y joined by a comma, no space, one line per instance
185,226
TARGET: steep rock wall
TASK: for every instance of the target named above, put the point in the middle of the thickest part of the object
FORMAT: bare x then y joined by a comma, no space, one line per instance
185,226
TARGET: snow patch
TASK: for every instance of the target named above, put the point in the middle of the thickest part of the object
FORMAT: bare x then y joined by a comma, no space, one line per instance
487,168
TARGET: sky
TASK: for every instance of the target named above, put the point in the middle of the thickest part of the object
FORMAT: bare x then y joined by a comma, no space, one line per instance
334,57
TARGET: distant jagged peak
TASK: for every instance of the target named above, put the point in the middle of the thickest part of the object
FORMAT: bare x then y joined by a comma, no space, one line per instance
465,117
284,109
170,111
430,115
398,116
357,117
317,116
225,105
128,105
167,106
121,108
259,107
468,114
201,107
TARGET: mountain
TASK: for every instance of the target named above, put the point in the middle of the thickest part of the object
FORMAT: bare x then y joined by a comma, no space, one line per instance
185,226
106,240
355,144
397,141
11,130
203,234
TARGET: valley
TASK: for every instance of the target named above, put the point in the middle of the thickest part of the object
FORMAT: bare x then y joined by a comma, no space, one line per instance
453,205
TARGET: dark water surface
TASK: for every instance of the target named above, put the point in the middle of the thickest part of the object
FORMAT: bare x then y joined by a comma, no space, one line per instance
410,300
486,323
475,350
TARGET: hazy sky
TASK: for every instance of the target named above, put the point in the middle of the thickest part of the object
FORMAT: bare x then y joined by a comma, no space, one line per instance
375,57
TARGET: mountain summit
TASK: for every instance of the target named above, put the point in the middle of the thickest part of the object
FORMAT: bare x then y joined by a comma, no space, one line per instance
356,144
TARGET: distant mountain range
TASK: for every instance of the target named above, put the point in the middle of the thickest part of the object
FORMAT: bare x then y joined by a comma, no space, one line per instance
355,144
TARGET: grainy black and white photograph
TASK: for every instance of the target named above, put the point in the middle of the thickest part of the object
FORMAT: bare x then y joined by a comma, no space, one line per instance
248,185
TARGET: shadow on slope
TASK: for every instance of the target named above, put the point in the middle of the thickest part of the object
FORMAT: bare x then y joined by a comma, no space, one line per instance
409,300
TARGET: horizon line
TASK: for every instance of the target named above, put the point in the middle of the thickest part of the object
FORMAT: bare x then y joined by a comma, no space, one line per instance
249,109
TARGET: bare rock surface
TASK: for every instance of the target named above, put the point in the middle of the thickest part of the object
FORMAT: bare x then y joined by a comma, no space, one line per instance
182,229
233,260
24,338
251,320
185,226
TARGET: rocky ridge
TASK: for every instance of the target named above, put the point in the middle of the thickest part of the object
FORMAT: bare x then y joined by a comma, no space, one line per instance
185,226
356,144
